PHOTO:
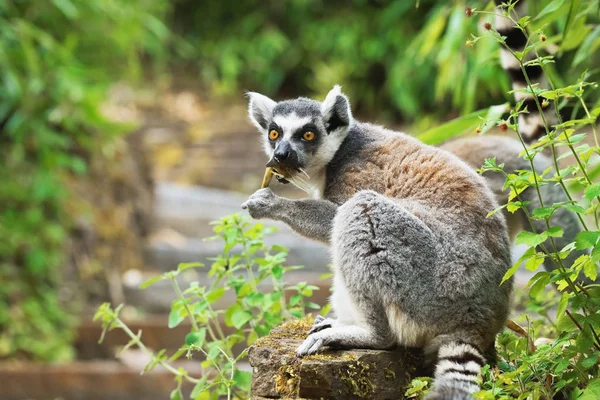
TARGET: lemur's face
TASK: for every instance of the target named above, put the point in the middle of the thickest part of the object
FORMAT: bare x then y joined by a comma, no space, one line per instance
301,135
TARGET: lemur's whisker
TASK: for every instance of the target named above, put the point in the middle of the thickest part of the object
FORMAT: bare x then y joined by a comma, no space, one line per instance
297,181
304,172
305,190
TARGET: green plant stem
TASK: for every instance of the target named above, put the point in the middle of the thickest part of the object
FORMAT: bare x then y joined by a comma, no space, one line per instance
232,362
592,123
149,352
215,364
215,321
185,303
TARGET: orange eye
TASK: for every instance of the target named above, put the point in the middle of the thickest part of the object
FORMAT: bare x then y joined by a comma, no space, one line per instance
308,136
273,135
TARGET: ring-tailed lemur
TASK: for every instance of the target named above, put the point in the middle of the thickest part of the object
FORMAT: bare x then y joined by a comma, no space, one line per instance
475,150
416,261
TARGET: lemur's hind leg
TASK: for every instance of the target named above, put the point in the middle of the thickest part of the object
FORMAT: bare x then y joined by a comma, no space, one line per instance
369,281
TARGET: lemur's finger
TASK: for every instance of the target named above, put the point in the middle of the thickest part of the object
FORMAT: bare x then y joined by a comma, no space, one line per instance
316,346
325,324
318,319
303,349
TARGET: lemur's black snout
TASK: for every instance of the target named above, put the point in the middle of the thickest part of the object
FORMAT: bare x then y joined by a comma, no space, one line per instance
284,155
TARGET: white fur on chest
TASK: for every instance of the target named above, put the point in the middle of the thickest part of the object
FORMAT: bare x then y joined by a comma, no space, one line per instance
344,307
314,185
407,331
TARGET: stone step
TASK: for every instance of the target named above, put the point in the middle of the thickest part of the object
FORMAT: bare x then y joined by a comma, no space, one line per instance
183,215
89,380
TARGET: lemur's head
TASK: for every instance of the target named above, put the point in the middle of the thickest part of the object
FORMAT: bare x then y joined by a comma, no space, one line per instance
302,134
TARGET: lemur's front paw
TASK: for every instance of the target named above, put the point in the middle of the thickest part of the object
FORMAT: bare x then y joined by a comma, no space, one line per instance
262,204
311,344
322,323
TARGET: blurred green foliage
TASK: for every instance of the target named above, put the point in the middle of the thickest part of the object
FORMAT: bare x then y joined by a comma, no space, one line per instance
389,55
57,59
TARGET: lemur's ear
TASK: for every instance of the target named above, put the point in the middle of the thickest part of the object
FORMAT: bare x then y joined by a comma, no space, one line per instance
260,109
336,110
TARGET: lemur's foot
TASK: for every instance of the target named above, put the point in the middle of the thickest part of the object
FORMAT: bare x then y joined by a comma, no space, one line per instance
322,323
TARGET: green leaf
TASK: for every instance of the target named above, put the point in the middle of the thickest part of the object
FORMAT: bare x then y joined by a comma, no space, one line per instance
184,266
589,45
277,272
295,299
510,272
592,191
592,391
590,361
240,318
552,7
586,239
245,290
196,338
565,324
67,8
590,269
215,294
574,208
534,262
279,249
242,380
573,9
176,316
538,283
531,239
152,281
524,21
563,304
543,212
462,124
555,231
254,299
200,387
176,394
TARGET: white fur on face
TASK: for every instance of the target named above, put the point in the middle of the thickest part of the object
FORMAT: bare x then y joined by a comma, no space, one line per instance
290,123
327,149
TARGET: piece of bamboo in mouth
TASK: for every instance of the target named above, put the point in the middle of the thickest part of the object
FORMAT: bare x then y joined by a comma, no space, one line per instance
267,178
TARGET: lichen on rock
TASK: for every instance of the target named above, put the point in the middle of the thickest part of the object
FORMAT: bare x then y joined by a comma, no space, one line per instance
331,374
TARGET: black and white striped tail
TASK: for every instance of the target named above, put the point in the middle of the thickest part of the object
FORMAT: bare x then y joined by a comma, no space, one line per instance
456,372
530,124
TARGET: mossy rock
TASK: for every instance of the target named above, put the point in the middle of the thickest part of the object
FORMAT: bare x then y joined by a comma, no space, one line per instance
341,374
